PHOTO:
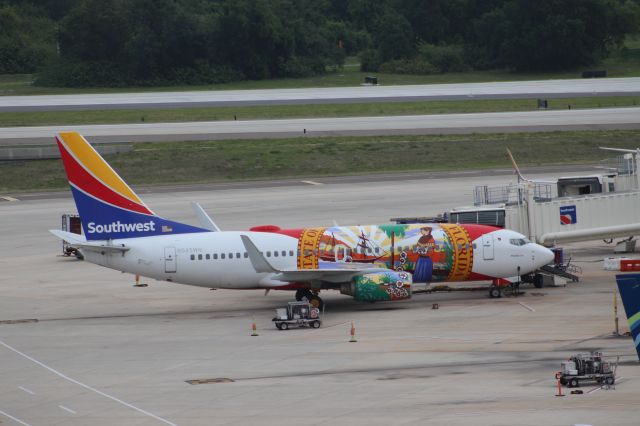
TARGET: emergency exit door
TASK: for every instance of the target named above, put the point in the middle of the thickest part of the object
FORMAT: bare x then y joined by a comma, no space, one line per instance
170,264
487,247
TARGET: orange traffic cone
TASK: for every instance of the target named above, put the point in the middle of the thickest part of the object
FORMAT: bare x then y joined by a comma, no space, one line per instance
254,330
558,375
353,333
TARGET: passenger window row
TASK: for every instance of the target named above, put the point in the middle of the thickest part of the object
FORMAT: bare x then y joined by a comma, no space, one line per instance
237,255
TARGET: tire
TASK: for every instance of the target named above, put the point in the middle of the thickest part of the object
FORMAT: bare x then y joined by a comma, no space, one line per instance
279,326
574,383
316,301
284,326
610,380
495,292
315,324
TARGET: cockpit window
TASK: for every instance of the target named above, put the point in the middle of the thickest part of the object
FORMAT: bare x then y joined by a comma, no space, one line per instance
519,241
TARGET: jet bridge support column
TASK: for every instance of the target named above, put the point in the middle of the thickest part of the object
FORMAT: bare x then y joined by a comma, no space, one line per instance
531,219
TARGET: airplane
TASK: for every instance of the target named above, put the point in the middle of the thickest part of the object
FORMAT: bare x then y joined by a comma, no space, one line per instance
370,263
629,287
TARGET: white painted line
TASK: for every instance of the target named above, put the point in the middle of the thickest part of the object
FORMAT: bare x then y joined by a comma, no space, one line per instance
311,182
14,419
69,379
594,390
26,390
67,409
524,305
9,198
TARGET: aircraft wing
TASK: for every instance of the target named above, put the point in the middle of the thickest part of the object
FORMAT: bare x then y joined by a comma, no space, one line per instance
336,275
79,242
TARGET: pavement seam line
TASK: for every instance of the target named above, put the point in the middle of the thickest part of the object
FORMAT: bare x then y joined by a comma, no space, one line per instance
69,379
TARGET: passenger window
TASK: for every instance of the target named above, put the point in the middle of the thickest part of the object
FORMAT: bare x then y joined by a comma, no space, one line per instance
222,256
230,255
246,254
207,256
291,253
215,256
237,255
284,253
268,254
275,254
193,257
199,257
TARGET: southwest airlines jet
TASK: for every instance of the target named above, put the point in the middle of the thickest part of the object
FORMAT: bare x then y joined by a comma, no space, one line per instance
370,263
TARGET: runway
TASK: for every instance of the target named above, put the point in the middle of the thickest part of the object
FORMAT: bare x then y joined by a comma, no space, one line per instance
92,349
494,90
532,121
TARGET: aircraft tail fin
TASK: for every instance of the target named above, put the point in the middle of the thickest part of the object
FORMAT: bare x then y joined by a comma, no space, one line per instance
108,207
629,286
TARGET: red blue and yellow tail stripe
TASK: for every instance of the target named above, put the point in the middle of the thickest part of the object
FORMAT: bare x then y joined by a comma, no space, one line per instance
629,287
108,207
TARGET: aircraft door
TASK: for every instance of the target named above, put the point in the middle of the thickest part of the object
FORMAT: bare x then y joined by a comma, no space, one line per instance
170,262
487,247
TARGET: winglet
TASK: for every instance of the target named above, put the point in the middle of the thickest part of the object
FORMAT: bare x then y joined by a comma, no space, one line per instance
205,220
260,264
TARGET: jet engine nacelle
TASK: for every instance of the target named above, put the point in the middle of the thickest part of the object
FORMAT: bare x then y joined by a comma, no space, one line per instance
379,286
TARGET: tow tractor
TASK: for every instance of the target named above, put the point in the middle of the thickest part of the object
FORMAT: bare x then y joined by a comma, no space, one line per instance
298,314
591,367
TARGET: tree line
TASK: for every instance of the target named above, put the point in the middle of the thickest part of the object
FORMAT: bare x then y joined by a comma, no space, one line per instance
164,42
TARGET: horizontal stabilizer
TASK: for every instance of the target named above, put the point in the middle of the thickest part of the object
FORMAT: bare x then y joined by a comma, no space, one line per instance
79,242
205,220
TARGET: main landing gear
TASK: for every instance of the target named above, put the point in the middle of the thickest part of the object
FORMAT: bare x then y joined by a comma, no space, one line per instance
306,295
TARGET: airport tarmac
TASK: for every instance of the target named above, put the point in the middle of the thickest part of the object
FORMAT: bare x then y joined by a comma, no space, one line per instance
317,95
523,121
103,352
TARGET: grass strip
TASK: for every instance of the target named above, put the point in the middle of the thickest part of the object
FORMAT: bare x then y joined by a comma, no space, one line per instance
210,161
44,118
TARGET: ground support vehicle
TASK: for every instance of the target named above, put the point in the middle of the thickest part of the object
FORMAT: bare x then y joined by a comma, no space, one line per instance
297,314
590,367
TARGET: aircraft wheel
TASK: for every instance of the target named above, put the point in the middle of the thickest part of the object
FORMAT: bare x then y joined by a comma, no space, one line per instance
284,326
495,292
316,301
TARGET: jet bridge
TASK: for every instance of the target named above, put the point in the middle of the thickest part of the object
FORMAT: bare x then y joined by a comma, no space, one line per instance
583,208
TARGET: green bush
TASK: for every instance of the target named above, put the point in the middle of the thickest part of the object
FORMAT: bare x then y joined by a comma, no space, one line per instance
408,66
445,58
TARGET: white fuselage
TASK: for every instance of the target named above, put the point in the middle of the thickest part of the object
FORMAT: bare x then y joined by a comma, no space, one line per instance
219,259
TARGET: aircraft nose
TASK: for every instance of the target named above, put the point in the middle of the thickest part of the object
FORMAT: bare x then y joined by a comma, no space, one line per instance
543,256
